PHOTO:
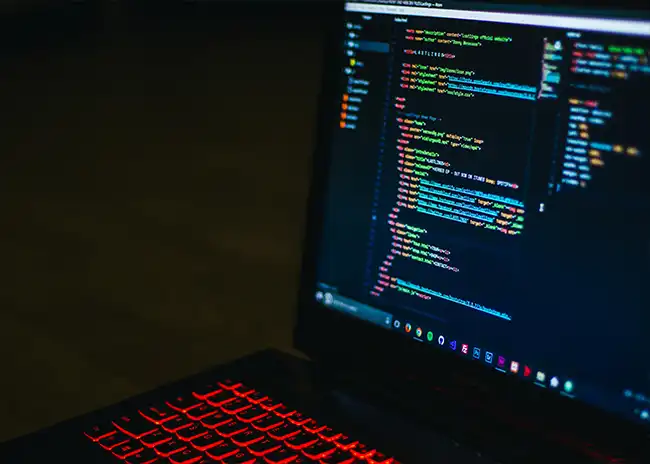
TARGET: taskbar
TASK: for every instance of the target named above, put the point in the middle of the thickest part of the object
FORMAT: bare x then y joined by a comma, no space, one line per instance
499,362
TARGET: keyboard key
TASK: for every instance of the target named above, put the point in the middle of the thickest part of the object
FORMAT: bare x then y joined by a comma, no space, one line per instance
113,440
222,450
339,457
362,451
256,397
215,420
183,403
177,423
312,426
235,406
242,457
345,443
283,411
270,404
284,431
208,461
204,442
281,456
97,432
243,390
380,458
251,414
191,432
229,384
301,440
146,456
135,426
231,429
201,412
248,437
267,423
299,418
155,439
158,414
319,450
170,447
206,390
263,447
221,398
187,456
328,434
125,450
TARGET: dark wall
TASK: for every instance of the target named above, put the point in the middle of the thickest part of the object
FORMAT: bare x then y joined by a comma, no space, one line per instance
153,176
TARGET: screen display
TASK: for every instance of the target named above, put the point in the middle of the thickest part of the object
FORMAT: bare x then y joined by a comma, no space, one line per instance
489,191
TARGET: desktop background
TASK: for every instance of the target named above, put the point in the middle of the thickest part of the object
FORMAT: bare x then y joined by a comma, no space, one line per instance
153,178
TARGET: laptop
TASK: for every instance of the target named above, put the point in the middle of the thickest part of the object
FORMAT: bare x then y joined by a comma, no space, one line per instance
476,263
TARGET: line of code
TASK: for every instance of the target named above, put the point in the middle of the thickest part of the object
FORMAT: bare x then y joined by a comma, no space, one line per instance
454,38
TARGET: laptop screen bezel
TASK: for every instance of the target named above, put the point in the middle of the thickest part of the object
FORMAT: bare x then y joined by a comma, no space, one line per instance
337,339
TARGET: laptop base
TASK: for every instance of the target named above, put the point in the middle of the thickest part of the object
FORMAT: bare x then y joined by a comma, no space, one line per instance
286,378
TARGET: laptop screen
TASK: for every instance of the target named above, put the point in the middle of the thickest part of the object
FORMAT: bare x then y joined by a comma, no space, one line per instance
489,190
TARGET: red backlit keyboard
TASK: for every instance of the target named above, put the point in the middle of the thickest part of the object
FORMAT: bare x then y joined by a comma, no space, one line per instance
228,423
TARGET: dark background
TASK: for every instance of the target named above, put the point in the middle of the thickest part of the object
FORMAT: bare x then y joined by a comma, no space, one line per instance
154,165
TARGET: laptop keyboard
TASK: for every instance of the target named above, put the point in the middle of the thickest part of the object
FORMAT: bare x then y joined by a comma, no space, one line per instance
228,423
